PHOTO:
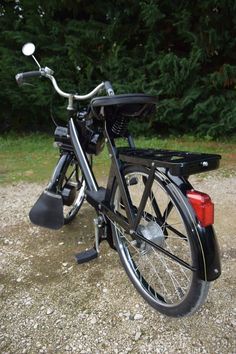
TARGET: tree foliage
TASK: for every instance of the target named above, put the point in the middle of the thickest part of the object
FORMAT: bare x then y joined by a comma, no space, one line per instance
181,50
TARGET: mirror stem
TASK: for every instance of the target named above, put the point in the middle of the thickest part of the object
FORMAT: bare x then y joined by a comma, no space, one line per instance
36,61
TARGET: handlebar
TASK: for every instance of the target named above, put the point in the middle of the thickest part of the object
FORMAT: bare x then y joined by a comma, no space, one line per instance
21,77
48,73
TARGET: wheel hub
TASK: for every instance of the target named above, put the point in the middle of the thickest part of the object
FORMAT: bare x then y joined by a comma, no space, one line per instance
153,232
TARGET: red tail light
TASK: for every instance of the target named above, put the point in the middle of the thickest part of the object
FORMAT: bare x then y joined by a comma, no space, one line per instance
203,207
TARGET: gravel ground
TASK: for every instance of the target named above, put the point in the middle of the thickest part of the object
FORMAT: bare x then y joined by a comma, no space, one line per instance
49,304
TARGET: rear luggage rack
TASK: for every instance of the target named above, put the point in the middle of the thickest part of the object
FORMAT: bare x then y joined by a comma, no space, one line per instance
179,163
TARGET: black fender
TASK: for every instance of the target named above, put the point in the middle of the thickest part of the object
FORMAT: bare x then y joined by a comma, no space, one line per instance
48,209
210,267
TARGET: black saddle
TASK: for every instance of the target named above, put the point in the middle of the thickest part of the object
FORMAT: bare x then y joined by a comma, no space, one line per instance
128,105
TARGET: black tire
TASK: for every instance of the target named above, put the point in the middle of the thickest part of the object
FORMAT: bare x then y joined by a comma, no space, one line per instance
166,285
72,175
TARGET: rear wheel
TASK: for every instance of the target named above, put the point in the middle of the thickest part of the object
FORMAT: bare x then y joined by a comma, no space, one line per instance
165,283
72,188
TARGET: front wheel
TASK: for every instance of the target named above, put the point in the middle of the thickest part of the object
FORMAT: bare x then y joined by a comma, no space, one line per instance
166,284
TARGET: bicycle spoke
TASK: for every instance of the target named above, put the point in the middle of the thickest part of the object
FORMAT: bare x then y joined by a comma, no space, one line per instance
138,258
136,267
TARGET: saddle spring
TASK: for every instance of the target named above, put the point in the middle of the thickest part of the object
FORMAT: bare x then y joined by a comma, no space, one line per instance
119,127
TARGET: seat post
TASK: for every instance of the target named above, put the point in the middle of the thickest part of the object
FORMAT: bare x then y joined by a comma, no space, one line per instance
117,166
131,142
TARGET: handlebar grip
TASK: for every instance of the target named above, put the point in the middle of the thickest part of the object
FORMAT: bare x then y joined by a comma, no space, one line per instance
21,77
108,88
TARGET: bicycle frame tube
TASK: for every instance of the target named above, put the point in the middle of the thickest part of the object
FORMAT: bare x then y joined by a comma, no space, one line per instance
119,175
81,157
146,194
133,217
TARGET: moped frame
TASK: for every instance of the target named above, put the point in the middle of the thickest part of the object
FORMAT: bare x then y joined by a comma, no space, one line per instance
100,199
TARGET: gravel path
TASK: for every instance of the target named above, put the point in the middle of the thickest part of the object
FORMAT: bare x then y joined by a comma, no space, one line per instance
49,304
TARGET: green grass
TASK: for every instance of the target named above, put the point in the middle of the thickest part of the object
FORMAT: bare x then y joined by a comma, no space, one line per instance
32,157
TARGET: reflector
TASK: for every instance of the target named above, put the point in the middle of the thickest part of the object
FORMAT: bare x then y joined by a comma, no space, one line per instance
203,207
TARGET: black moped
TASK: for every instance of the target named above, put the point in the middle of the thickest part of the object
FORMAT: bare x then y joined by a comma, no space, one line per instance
149,212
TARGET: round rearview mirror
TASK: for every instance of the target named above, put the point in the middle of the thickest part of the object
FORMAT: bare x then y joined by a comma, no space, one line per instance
28,49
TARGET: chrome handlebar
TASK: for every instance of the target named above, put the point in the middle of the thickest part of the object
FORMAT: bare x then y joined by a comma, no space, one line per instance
74,96
48,73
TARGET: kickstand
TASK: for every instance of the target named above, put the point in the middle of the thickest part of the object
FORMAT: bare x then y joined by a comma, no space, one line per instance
92,253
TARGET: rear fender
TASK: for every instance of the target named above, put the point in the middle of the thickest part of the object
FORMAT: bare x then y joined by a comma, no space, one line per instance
208,254
210,269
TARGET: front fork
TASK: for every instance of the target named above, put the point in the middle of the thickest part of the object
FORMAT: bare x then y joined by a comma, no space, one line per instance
58,172
67,157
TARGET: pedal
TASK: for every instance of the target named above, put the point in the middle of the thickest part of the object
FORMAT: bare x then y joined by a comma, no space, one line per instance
86,256
48,211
